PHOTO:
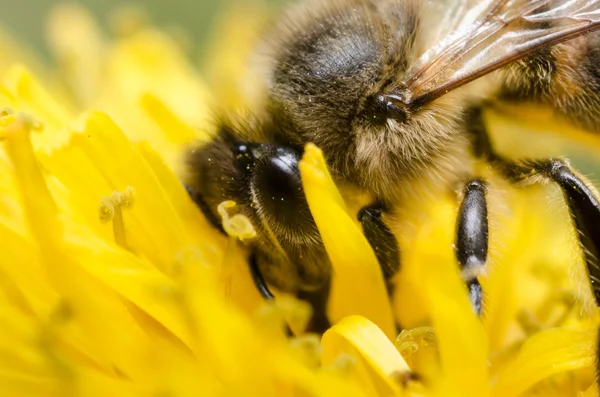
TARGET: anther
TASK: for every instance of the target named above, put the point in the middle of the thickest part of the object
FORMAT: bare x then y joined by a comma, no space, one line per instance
410,341
7,117
297,313
342,364
239,225
9,120
308,348
110,209
106,209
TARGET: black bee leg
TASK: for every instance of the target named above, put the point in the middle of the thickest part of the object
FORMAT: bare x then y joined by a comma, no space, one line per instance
317,299
580,195
381,239
581,199
583,203
258,279
472,239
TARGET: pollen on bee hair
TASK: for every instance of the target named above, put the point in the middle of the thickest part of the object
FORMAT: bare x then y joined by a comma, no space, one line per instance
239,225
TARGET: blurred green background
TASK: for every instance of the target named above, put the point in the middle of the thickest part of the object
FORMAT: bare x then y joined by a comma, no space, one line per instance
26,20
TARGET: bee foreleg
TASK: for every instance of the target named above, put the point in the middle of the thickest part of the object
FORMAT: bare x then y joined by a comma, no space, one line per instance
381,239
258,279
471,245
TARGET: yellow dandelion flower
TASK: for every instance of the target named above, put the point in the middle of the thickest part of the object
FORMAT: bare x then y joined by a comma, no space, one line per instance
113,283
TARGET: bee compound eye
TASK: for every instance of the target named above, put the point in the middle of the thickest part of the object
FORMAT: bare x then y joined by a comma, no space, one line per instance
277,186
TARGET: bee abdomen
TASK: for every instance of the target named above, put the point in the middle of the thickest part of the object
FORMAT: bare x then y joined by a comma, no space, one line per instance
566,77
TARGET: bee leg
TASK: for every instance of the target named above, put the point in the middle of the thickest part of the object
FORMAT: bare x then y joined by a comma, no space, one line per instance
471,245
382,240
584,207
258,279
579,194
581,198
318,321
317,299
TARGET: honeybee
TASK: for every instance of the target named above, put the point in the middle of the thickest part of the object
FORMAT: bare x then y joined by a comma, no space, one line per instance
393,91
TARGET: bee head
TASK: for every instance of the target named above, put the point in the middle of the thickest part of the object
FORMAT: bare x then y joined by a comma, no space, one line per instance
336,82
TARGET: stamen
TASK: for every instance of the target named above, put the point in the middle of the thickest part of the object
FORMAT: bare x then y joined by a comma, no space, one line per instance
239,225
110,209
7,117
27,122
106,209
119,228
39,205
271,318
297,313
407,349
343,364
557,306
308,349
553,312
410,341
284,314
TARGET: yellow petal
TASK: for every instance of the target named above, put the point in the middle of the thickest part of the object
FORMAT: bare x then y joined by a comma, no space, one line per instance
18,384
97,384
138,282
25,285
173,127
31,97
501,299
460,334
96,308
39,206
149,62
592,391
546,354
357,285
86,185
196,226
153,226
378,358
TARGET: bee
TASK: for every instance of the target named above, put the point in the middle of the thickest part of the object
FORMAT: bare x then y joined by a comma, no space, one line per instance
393,92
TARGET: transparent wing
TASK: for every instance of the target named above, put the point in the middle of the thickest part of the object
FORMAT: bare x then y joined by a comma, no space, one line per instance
493,34
453,14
